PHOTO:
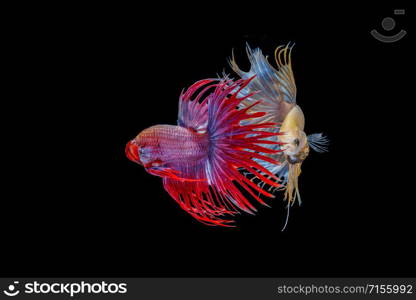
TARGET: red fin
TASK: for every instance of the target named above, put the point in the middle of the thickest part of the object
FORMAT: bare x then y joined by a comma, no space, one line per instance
169,172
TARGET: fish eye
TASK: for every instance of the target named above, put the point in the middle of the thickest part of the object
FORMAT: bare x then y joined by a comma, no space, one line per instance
142,152
296,142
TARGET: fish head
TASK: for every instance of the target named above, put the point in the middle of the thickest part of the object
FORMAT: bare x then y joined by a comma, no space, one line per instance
145,148
296,147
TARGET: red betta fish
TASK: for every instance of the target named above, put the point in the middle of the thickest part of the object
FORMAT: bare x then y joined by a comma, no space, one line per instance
202,158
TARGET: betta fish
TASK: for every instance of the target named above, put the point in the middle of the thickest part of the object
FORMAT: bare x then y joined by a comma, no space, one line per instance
277,89
200,160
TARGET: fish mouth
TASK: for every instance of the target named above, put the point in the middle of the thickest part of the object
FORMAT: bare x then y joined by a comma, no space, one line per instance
132,152
291,160
298,157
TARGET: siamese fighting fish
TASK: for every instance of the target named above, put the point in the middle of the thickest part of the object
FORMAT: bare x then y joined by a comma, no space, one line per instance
200,160
277,90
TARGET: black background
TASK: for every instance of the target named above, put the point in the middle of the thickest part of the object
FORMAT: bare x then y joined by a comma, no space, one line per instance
87,80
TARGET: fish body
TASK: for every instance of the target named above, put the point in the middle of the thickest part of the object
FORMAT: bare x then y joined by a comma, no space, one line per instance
167,148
